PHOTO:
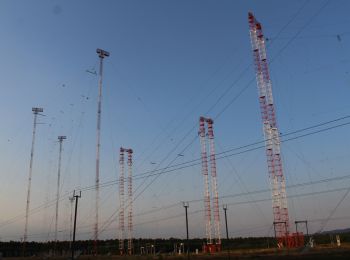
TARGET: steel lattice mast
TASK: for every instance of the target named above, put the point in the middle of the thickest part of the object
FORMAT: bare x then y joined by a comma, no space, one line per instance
204,156
36,111
60,139
203,140
101,54
217,226
130,199
121,202
271,133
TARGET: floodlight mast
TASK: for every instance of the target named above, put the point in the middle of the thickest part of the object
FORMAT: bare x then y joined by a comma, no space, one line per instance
101,54
60,139
36,111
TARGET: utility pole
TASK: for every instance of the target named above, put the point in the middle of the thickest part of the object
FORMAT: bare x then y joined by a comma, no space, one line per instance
186,205
101,54
60,139
36,111
76,197
228,247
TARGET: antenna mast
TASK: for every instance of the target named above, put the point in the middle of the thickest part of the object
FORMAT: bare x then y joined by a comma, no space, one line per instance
271,133
101,54
121,202
210,247
217,226
130,224
206,180
129,201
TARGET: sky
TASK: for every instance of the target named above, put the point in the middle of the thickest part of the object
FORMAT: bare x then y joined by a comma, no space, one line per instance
170,63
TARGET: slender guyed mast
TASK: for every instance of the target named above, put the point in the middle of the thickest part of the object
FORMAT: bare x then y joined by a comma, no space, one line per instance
101,54
36,111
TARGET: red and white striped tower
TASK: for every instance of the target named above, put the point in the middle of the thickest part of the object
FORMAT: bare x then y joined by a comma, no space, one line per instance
271,133
217,226
207,210
121,202
210,247
130,198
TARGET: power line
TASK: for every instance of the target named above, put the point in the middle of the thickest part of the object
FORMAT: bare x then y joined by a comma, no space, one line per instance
192,163
226,91
242,194
303,184
334,210
247,202
141,175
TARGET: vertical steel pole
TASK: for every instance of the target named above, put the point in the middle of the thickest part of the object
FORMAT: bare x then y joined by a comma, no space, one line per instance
186,205
228,247
75,220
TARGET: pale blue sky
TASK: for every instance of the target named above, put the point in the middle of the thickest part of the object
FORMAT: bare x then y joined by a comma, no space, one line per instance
171,61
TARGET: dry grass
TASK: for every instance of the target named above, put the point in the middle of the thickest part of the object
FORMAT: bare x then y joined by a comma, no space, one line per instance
320,252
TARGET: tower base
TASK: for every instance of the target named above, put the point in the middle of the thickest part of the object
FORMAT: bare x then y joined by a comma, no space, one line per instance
211,248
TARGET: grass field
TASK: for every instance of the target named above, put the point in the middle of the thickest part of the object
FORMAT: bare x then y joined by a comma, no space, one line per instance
321,252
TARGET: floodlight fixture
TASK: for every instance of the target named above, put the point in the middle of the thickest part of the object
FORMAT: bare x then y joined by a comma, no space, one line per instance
37,110
102,53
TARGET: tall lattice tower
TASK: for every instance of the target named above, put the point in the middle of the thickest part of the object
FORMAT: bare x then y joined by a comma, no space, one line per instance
122,200
271,134
130,202
210,246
